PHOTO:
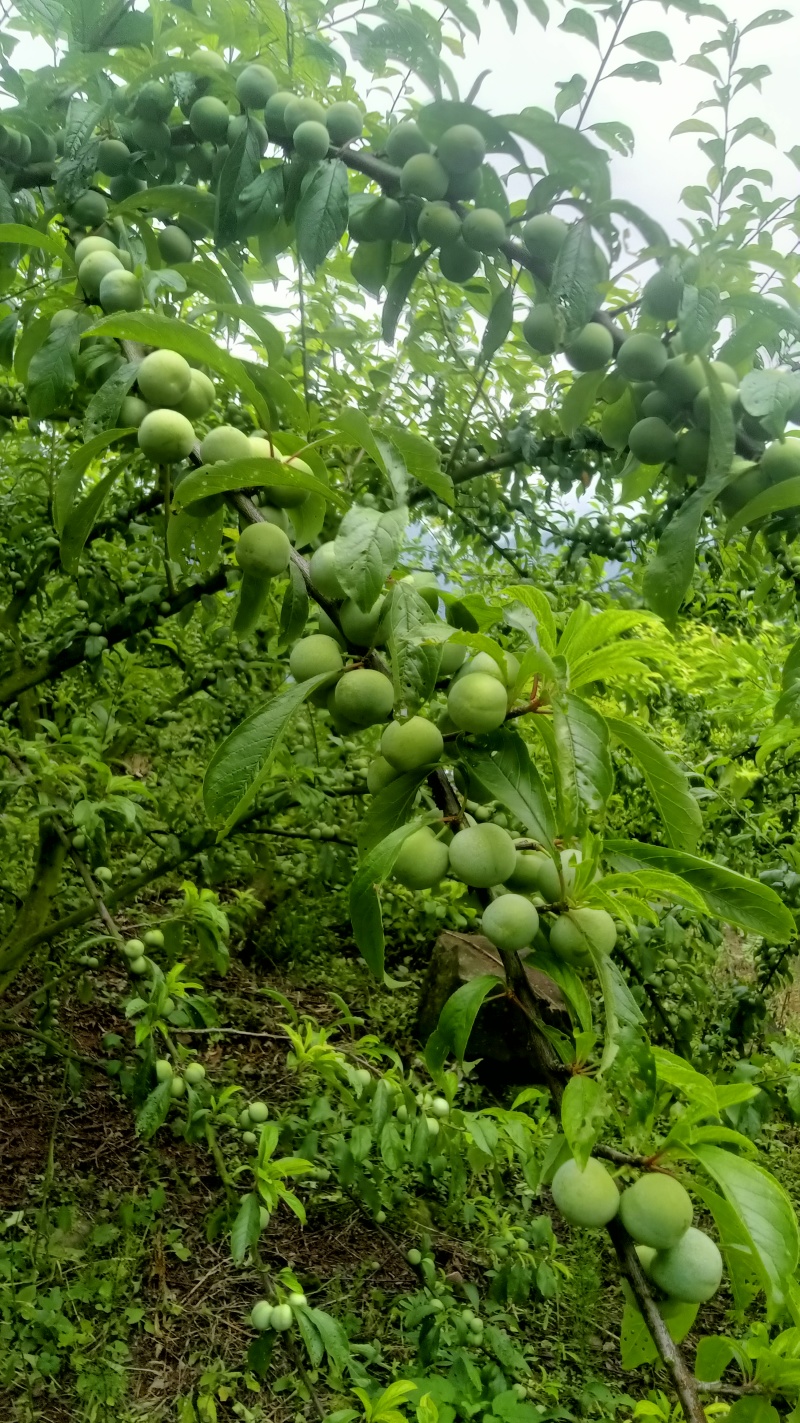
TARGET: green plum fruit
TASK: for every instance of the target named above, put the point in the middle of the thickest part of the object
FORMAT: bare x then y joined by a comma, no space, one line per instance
225,443
94,268
483,229
535,870
422,860
642,356
575,933
255,85
591,349
132,411
208,119
311,140
365,697
656,1210
461,149
691,452
661,297
175,245
544,236
359,627
323,572
590,1197
404,142
438,223
121,291
344,122
422,176
90,208
406,745
113,157
652,441
482,855
165,436
457,261
477,702
380,774
691,1270
164,378
510,921
313,655
200,396
540,329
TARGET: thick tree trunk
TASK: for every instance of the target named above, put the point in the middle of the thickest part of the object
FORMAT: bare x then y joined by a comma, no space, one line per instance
16,946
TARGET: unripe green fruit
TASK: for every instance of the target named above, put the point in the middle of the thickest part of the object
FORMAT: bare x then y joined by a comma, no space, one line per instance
691,1270
437,223
359,627
164,1069
370,264
540,329
589,1198
652,441
195,1073
322,568
656,402
726,373
275,115
314,655
482,855
380,774
661,297
534,870
423,177
154,939
692,451
739,493
175,245
440,1107
200,396
164,378
125,186
510,921
406,745
344,123
404,142
592,348
134,949
154,101
258,1111
255,85
286,496
281,1318
656,1210
132,411
701,405
297,1301
422,861
302,109
311,140
414,1257
94,268
90,209
646,1256
113,157
457,261
249,1138
244,1120
682,379
477,703
461,148
544,236
364,697
165,436
781,460
576,933
453,657
263,551
138,966
208,119
483,663
261,1314
88,245
642,356
483,229
225,443
382,220
121,291
151,136
178,1087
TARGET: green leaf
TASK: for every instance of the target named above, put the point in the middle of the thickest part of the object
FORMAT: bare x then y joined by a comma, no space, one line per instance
579,400
366,549
389,808
668,576
422,461
772,500
584,1109
544,633
81,519
499,324
335,1340
457,1020
766,1213
636,1342
104,406
240,765
644,72
714,1353
321,217
154,1111
310,1336
748,903
583,768
176,198
247,1226
769,395
698,316
569,155
294,608
22,236
667,782
506,773
617,135
573,286
247,474
415,664
51,373
239,170
398,293
767,17
356,429
260,204
69,480
580,22
153,329
365,906
652,44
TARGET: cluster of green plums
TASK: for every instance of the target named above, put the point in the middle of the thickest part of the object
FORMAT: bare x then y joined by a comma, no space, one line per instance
135,950
279,1317
657,1213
